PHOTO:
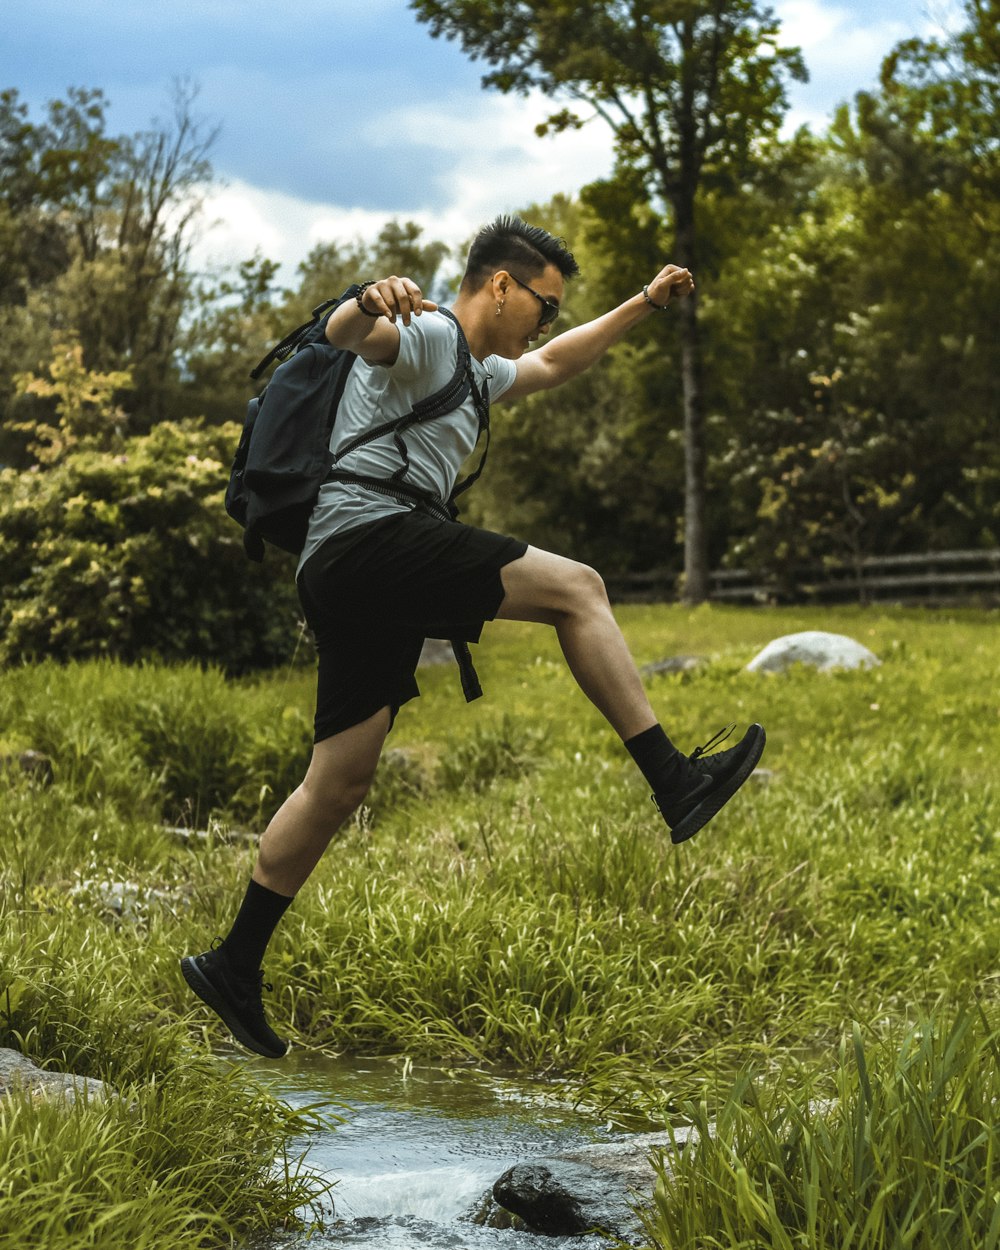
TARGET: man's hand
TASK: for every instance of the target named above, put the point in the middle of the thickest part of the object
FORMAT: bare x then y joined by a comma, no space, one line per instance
671,282
375,337
394,297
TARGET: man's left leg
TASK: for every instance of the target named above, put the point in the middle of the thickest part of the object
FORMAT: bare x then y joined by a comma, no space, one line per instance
228,977
552,590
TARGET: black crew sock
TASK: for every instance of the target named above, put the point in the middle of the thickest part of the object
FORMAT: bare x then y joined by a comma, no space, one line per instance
255,922
659,761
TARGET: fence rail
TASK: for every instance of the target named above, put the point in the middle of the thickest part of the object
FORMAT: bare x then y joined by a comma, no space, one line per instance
932,578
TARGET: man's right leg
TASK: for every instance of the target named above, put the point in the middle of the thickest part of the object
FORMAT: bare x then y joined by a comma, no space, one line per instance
228,977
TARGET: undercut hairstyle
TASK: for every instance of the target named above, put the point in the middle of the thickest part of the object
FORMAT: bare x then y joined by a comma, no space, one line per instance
510,243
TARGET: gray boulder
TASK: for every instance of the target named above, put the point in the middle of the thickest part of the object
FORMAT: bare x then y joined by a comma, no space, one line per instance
17,1072
594,1188
815,648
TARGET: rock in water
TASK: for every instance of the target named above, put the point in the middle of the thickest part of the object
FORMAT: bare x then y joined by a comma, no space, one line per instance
596,1187
815,648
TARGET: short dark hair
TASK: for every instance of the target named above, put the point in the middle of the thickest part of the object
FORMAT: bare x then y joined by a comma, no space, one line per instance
510,243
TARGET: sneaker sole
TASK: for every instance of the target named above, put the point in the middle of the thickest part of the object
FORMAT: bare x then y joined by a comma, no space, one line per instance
210,996
717,799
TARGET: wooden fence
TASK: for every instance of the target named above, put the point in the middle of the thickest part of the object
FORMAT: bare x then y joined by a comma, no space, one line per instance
934,578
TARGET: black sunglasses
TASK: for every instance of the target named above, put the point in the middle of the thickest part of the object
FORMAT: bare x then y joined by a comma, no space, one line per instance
549,310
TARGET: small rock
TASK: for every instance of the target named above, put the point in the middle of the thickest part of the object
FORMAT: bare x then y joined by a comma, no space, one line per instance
815,648
32,763
436,651
125,898
17,1072
674,664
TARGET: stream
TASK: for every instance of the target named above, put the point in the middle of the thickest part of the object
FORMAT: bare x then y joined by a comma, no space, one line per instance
419,1146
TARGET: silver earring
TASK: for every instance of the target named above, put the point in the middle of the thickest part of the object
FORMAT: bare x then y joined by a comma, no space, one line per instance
499,307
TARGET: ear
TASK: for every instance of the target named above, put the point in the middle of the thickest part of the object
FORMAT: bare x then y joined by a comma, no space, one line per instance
501,284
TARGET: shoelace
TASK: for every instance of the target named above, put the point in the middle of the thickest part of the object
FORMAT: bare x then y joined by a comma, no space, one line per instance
720,737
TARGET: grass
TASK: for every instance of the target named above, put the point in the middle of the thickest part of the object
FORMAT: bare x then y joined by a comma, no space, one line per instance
898,1149
509,896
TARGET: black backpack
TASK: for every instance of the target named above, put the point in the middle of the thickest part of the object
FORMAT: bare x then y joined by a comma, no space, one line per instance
283,456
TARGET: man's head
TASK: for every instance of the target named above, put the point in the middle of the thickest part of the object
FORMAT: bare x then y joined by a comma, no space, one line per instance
519,270
511,244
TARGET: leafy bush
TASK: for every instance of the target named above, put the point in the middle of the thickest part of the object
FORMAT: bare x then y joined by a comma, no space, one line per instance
131,555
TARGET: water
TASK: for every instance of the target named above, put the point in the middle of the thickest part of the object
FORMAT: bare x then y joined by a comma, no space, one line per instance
420,1146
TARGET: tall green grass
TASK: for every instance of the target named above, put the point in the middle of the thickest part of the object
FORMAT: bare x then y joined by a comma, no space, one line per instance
509,893
898,1148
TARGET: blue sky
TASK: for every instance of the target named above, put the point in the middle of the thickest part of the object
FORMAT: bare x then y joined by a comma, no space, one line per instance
335,116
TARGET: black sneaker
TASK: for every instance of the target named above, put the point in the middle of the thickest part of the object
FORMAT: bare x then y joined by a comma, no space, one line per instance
713,781
236,999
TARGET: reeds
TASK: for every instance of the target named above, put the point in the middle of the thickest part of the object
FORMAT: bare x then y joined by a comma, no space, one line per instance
901,1150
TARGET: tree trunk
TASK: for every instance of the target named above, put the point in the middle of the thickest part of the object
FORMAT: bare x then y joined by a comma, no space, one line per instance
695,531
695,534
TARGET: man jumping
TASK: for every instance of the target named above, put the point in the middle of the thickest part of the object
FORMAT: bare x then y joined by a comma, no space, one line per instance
379,574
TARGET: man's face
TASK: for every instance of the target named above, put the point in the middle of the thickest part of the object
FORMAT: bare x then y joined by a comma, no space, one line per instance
531,303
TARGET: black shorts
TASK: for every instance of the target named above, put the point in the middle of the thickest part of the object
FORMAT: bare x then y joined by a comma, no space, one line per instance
373,594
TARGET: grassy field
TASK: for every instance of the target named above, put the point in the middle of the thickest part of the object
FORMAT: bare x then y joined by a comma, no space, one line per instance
815,974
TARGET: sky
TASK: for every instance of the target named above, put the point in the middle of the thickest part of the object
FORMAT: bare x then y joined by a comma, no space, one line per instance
335,116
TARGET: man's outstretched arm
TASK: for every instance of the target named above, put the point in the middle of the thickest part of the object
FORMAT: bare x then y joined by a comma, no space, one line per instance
571,353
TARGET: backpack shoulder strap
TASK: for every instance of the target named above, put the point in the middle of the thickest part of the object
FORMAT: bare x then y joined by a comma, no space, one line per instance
481,400
444,400
300,334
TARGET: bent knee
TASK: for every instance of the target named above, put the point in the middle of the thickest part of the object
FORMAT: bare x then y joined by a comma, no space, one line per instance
338,795
586,588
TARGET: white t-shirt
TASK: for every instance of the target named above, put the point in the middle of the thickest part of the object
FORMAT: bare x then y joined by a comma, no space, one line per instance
437,449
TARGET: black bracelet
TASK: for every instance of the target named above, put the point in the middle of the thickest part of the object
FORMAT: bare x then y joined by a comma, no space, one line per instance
361,290
658,307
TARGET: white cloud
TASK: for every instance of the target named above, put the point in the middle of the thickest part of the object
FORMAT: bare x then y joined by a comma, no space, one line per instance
844,47
500,162
500,165
239,220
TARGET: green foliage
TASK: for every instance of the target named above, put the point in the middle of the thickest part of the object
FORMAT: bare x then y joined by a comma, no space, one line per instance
129,553
490,753
182,1151
178,743
101,230
521,903
853,380
902,1150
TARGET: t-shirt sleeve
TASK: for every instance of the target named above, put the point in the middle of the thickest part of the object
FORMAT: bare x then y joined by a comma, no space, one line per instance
502,373
427,355
426,352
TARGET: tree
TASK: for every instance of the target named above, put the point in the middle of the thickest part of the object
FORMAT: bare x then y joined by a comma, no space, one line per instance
99,231
857,375
688,88
117,545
